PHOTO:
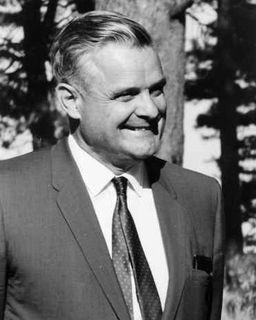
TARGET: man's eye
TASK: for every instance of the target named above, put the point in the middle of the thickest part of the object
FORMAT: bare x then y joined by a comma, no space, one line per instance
125,98
156,92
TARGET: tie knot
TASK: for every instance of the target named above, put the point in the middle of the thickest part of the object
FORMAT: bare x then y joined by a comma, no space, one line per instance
120,184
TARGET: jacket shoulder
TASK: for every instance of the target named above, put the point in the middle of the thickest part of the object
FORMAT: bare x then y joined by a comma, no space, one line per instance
187,178
26,162
194,188
181,179
26,170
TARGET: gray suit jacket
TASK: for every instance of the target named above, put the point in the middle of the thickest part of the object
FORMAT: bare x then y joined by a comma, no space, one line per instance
54,263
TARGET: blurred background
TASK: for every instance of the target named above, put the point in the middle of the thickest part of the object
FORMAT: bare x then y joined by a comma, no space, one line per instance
208,51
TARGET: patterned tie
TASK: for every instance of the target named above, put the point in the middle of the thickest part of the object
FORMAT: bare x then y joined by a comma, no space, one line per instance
127,247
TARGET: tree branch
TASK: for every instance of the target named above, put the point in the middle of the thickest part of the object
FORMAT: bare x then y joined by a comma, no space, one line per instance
179,6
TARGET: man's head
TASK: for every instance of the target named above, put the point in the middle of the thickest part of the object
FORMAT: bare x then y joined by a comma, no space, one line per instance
111,80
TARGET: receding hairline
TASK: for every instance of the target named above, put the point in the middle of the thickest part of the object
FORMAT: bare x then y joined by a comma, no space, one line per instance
91,31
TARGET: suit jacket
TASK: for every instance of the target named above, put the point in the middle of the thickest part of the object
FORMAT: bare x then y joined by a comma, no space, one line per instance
54,262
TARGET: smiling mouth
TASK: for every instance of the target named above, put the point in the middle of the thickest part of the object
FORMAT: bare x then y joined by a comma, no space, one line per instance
137,128
153,128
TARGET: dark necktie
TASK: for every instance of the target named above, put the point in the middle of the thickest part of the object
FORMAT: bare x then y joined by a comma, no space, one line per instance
126,247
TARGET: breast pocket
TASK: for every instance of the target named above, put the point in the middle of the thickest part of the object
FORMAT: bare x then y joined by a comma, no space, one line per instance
197,296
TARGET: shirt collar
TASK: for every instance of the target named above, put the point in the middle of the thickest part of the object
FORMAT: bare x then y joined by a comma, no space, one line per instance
96,176
136,177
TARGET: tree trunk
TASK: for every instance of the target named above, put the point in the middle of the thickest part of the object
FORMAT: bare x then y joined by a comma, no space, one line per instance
36,39
226,68
165,22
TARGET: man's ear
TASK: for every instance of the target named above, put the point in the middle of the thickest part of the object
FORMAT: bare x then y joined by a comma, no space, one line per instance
68,98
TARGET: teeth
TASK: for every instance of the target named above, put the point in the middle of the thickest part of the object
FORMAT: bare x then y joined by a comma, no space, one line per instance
138,129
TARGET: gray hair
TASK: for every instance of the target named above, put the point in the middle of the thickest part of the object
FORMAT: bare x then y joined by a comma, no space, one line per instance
91,31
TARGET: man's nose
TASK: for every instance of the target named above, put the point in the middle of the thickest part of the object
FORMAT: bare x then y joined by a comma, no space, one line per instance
146,107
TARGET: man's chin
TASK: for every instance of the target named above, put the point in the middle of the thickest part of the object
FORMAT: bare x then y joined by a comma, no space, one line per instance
143,155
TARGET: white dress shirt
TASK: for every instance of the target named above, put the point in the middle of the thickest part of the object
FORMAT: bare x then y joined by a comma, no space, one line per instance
97,179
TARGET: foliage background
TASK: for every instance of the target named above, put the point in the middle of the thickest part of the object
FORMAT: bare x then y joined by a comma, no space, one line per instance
220,73
220,81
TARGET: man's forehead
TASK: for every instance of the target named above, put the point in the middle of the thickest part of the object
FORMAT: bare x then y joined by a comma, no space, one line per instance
119,60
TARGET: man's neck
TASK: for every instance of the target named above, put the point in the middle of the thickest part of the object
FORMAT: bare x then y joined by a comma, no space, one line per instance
118,168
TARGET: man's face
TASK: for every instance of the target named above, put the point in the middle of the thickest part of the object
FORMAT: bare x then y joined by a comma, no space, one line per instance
122,110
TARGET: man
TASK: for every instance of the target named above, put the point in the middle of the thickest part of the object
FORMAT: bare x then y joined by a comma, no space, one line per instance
97,227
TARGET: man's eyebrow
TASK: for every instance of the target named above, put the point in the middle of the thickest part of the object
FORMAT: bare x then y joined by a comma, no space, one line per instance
158,85
123,92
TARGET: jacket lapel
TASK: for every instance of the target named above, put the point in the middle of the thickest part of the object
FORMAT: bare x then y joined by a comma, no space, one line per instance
173,227
77,210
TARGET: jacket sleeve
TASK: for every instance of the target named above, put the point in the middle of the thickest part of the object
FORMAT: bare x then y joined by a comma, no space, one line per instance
2,266
218,258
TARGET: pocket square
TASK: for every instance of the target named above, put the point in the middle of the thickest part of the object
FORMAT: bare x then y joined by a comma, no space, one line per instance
202,263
